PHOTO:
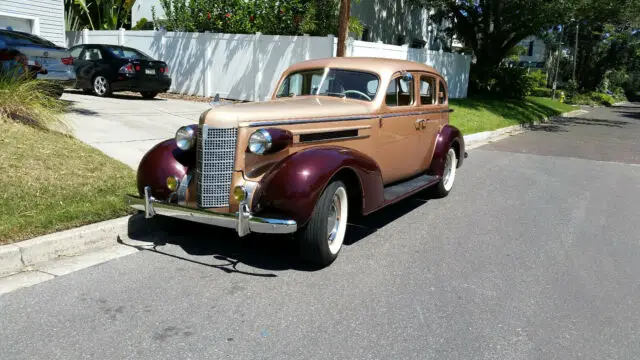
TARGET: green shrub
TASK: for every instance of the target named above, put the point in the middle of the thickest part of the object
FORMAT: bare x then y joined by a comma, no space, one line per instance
29,101
538,78
542,92
603,99
504,81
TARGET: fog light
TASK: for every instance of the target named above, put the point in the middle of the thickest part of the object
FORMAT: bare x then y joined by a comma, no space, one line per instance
172,183
239,193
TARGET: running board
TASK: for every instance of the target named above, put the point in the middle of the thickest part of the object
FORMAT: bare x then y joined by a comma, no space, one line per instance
402,189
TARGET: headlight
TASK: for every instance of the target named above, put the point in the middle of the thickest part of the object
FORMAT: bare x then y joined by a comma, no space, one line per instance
260,142
185,137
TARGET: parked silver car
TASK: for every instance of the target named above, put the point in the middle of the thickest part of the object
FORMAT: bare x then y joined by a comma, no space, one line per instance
43,59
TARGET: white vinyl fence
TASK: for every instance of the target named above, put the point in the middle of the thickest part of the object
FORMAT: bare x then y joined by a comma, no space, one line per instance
247,67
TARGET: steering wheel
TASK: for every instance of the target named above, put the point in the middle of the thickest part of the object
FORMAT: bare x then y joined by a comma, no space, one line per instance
357,92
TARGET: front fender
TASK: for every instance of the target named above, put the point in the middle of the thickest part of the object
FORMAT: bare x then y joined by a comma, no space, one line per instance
163,160
447,137
292,187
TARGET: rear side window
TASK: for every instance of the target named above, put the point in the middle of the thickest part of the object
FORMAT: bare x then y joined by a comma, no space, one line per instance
427,90
76,52
22,39
399,93
92,54
442,94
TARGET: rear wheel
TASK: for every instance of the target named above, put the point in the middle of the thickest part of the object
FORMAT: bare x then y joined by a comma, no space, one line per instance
101,86
322,238
148,94
448,175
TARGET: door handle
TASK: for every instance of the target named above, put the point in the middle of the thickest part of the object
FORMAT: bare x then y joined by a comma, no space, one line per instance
421,124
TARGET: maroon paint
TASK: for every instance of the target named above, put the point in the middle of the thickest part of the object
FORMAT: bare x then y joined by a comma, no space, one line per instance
281,139
163,160
447,136
291,189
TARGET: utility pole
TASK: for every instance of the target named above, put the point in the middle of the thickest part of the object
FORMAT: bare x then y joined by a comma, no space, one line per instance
343,31
575,51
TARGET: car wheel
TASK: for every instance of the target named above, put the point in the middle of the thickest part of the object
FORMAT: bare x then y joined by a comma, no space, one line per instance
322,238
101,86
445,184
148,95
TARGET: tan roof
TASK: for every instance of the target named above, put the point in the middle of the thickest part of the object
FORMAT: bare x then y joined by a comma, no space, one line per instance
371,64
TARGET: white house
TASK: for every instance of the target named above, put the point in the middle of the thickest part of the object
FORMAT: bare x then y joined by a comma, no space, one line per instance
393,22
39,17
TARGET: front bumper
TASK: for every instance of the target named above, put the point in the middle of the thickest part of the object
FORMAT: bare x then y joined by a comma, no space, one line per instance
242,221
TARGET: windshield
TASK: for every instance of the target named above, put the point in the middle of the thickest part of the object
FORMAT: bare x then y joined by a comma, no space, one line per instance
127,53
330,82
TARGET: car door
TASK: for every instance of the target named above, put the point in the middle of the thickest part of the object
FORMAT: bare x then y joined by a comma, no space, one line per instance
399,131
76,52
430,117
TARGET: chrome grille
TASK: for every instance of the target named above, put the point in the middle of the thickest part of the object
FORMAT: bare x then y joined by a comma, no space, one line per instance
215,162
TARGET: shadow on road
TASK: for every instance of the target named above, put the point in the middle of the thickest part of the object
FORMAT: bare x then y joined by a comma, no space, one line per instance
125,96
564,124
222,249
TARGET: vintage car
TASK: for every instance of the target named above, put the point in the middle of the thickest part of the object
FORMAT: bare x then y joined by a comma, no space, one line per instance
340,137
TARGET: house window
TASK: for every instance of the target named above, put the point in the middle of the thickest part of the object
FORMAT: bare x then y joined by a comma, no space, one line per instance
366,33
530,53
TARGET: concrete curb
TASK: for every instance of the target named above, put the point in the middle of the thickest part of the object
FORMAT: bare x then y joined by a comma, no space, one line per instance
474,140
25,254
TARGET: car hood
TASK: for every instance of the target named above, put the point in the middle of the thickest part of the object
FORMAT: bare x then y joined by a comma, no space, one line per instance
228,116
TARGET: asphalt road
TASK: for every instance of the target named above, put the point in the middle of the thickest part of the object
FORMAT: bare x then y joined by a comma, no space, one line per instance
534,255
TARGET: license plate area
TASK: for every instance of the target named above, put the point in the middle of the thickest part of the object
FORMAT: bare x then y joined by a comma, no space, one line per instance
150,71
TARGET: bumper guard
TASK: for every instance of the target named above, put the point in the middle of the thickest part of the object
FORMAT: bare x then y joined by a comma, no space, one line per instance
242,221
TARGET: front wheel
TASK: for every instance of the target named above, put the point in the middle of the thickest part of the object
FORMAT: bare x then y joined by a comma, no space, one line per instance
321,239
148,94
445,185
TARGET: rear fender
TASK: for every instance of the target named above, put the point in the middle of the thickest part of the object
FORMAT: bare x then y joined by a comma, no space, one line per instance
292,187
449,136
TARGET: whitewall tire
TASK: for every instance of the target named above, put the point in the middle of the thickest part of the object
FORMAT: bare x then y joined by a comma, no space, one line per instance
322,238
445,184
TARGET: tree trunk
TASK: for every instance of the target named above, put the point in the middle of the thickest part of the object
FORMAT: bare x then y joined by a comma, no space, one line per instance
343,31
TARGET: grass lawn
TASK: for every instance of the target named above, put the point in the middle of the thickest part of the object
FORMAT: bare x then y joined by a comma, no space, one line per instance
478,114
54,182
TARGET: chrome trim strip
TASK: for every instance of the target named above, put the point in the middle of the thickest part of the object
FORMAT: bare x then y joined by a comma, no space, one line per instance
244,223
338,119
306,121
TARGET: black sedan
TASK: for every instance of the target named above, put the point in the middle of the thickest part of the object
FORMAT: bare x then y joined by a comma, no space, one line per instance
104,69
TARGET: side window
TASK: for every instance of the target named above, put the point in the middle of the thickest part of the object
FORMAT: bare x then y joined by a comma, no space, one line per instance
292,86
92,54
399,92
442,96
75,53
427,90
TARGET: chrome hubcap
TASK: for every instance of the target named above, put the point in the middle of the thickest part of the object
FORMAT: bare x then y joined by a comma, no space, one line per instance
333,221
100,85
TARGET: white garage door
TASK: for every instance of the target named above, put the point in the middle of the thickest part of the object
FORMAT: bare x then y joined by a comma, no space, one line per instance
16,24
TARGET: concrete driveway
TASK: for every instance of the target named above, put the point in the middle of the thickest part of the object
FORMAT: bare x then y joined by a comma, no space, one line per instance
126,127
534,255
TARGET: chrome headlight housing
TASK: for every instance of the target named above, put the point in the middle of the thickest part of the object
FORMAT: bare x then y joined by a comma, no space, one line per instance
260,142
185,137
